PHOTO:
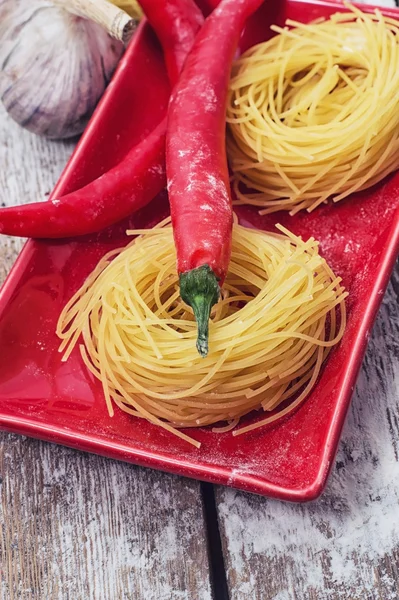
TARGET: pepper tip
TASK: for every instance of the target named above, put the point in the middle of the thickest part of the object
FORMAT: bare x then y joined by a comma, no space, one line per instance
202,347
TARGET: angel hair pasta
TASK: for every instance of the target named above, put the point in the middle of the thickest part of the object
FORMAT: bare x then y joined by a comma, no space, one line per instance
281,311
314,112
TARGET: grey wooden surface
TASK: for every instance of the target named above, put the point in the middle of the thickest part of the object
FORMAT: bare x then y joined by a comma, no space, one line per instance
81,527
76,526
345,545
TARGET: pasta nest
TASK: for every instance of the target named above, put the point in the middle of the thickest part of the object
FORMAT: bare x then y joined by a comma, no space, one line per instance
313,113
281,310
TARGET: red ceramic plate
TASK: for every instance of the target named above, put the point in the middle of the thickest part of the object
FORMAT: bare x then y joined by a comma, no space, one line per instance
61,402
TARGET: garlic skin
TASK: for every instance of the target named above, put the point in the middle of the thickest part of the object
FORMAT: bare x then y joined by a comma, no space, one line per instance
54,66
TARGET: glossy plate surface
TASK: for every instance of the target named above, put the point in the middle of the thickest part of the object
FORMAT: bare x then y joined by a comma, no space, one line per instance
61,402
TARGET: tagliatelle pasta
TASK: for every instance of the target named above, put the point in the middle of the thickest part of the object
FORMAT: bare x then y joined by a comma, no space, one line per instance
314,112
281,311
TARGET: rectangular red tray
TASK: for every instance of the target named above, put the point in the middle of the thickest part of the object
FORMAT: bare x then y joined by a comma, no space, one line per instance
61,402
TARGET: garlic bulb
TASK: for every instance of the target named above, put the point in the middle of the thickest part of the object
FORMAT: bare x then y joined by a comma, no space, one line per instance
54,66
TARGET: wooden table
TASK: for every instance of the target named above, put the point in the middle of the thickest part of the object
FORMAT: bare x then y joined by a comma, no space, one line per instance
81,527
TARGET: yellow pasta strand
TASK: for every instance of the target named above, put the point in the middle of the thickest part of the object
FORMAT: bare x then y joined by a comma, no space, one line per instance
313,113
281,311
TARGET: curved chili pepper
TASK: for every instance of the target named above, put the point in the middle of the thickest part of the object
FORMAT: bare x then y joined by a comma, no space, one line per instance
196,163
175,23
140,176
128,186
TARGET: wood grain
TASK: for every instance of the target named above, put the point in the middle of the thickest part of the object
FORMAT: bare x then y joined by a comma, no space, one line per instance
346,544
76,526
80,526
29,167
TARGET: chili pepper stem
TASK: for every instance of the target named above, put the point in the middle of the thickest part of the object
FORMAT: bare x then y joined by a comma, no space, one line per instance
199,289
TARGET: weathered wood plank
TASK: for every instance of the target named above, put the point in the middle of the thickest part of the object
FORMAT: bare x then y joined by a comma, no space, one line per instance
29,167
346,544
80,526
77,526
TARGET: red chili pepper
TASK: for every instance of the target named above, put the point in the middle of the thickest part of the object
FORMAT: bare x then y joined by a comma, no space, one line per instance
140,176
176,24
198,182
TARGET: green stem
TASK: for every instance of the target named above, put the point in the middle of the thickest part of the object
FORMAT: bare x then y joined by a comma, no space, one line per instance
199,289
